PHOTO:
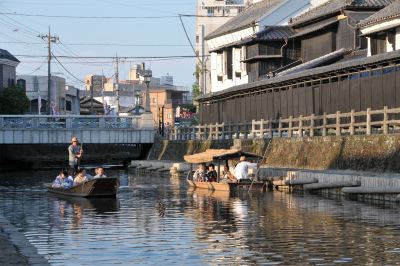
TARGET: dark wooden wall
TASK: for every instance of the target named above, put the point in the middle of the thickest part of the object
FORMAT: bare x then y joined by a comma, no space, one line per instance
375,89
318,44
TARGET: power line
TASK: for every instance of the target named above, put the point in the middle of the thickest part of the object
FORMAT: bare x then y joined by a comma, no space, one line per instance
86,17
113,57
67,69
111,44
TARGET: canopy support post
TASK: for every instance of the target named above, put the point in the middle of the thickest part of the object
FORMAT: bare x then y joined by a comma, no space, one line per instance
219,170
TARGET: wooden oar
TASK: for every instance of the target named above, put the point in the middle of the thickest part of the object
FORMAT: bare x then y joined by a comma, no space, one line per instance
80,153
258,166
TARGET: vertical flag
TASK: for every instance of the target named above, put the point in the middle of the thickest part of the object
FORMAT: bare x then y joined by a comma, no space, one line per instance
107,110
55,112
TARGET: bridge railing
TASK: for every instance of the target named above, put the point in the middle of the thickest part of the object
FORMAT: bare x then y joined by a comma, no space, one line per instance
354,123
67,122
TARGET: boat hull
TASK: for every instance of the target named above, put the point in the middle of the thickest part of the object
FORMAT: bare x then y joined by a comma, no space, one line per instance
98,187
232,187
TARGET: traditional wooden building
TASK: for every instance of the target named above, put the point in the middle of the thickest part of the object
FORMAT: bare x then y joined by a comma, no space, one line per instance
332,26
269,50
335,74
382,30
86,105
252,43
367,82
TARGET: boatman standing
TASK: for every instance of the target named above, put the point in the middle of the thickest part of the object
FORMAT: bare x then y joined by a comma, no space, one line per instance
75,154
241,169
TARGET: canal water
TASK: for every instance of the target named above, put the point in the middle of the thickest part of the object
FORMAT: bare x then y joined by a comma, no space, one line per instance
158,220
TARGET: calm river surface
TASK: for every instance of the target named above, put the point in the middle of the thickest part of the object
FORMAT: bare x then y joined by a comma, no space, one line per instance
158,220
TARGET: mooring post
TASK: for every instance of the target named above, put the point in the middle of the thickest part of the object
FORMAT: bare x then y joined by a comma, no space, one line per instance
338,123
385,120
368,121
352,121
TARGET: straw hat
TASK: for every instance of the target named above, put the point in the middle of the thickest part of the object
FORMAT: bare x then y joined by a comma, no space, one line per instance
74,139
242,158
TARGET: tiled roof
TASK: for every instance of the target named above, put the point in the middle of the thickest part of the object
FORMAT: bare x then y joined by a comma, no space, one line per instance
333,6
245,18
272,33
359,54
320,61
388,12
342,66
314,29
4,54
358,16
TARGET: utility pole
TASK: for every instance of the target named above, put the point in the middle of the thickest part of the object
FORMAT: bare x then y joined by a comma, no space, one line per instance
116,85
50,39
91,96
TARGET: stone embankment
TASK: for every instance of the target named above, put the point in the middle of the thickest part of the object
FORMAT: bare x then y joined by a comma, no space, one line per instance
37,155
361,166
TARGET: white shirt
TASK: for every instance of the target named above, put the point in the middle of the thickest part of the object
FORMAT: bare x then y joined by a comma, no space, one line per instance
240,172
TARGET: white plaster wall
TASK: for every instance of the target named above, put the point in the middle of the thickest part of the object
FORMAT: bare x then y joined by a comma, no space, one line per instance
278,16
397,38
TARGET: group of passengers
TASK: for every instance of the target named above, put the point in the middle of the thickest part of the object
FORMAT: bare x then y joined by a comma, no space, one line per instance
210,175
74,177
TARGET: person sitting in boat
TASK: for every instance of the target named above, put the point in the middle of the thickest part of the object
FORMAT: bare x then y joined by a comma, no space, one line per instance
61,178
227,176
211,173
100,173
80,178
88,177
241,169
69,182
199,174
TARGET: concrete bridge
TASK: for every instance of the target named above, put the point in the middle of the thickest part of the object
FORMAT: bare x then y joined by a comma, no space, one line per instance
34,141
90,129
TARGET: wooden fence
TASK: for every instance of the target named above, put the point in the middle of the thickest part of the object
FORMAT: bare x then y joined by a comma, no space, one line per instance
369,122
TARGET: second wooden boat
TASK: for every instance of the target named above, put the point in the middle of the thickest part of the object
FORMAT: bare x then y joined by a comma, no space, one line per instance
212,155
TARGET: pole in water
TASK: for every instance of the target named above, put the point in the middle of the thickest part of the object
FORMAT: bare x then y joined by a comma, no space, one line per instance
258,166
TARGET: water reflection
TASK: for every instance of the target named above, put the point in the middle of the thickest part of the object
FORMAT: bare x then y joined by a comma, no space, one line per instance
158,219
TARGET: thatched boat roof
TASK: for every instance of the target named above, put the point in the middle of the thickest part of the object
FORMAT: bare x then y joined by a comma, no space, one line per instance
212,154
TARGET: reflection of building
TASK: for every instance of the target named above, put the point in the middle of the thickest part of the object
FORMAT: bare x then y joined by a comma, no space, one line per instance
8,65
65,98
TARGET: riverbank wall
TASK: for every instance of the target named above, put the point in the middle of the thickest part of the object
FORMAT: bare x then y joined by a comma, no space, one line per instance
375,153
26,156
371,162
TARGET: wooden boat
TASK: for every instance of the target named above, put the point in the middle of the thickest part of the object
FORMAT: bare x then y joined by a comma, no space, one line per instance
97,187
212,155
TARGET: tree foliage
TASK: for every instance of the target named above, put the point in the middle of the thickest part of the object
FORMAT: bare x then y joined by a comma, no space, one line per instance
13,101
191,107
196,90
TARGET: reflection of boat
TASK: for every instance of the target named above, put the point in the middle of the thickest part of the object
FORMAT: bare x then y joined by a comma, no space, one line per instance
218,156
98,187
99,205
219,195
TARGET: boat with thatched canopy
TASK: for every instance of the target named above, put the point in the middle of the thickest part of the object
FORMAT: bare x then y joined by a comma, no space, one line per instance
223,156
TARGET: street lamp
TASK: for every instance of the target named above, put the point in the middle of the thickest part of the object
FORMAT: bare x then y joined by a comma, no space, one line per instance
137,95
147,79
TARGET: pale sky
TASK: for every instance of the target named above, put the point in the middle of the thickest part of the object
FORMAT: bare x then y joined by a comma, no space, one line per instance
150,28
